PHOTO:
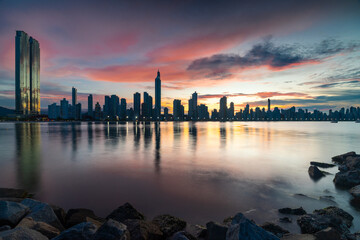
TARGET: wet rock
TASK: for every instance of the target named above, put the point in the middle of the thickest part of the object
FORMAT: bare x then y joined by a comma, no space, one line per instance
79,215
42,212
182,235
341,158
44,228
315,173
227,221
322,165
59,212
328,234
242,228
143,230
126,211
169,224
11,213
355,192
285,220
336,212
4,228
299,237
112,230
347,179
329,199
292,211
275,229
13,193
81,231
216,231
21,234
198,231
352,162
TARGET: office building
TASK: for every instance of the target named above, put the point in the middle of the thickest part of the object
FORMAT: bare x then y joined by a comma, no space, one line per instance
223,109
157,96
90,106
137,98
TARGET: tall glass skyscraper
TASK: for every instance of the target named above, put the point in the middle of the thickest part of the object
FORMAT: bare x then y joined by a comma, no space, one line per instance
27,74
158,96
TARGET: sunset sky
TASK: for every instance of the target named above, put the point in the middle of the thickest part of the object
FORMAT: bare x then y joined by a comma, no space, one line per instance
298,53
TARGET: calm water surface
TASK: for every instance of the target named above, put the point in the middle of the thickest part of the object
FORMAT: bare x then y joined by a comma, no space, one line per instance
197,171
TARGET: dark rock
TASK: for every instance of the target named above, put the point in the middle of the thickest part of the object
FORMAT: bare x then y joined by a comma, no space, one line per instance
21,234
341,158
322,165
298,237
329,199
143,230
79,215
352,162
315,173
42,212
169,224
198,231
112,230
328,234
336,212
355,192
285,220
275,229
81,231
13,193
227,221
43,228
292,211
11,213
60,213
216,231
5,228
126,211
347,179
182,235
242,228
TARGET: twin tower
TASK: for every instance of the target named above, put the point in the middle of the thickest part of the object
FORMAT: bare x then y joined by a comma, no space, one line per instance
27,74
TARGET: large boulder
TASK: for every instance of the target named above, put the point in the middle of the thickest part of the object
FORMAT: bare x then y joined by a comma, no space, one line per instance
355,192
182,235
352,162
347,179
21,234
112,230
42,212
275,229
11,212
336,212
44,228
13,193
216,231
81,231
315,173
143,230
292,211
169,224
341,158
126,211
322,165
79,215
59,212
328,234
198,231
242,228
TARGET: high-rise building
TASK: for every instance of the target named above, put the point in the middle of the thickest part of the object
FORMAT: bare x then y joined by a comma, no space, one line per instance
137,105
145,106
27,74
123,109
158,96
64,109
114,106
203,113
74,96
231,111
178,110
194,97
269,105
90,105
53,111
223,108
106,107
77,108
97,114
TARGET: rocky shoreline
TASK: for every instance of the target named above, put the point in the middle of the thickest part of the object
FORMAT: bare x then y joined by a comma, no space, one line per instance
22,217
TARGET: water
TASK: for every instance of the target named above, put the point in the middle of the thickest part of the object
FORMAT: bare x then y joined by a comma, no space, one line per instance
198,171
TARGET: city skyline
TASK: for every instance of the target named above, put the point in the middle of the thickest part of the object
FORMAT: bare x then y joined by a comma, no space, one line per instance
306,56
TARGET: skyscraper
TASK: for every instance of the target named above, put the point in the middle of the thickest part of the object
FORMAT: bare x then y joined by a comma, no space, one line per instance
27,74
269,105
90,106
74,96
145,108
158,96
223,108
137,105
123,109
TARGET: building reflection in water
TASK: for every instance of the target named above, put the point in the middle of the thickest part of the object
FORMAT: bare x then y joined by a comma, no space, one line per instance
137,135
90,135
147,135
157,147
28,155
193,133
223,135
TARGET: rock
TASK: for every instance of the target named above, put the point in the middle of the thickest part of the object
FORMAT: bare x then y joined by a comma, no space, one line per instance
328,234
352,162
355,191
79,215
275,229
13,193
329,199
198,231
322,165
182,235
216,231
341,158
112,230
43,228
242,228
227,221
21,234
143,230
60,213
299,237
81,231
285,220
347,179
336,212
292,211
315,173
42,212
169,224
126,211
5,228
11,213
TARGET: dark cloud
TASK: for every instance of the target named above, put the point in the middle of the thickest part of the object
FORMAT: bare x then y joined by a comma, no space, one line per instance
337,84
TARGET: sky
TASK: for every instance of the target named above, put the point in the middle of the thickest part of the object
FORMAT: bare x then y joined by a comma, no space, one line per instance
297,53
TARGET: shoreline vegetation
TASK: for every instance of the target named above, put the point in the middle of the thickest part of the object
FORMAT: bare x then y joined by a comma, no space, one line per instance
23,217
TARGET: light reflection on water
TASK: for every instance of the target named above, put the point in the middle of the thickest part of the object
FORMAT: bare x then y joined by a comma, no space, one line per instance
199,171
